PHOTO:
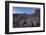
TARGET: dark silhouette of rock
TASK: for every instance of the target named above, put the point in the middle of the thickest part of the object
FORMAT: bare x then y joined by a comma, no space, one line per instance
37,11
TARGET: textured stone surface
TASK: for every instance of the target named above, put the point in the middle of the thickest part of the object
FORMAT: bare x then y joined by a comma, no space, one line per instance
26,21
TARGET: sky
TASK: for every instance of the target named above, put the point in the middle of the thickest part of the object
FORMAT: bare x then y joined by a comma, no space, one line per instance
22,10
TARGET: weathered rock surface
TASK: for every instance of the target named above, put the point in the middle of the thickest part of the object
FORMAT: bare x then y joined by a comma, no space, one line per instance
26,21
